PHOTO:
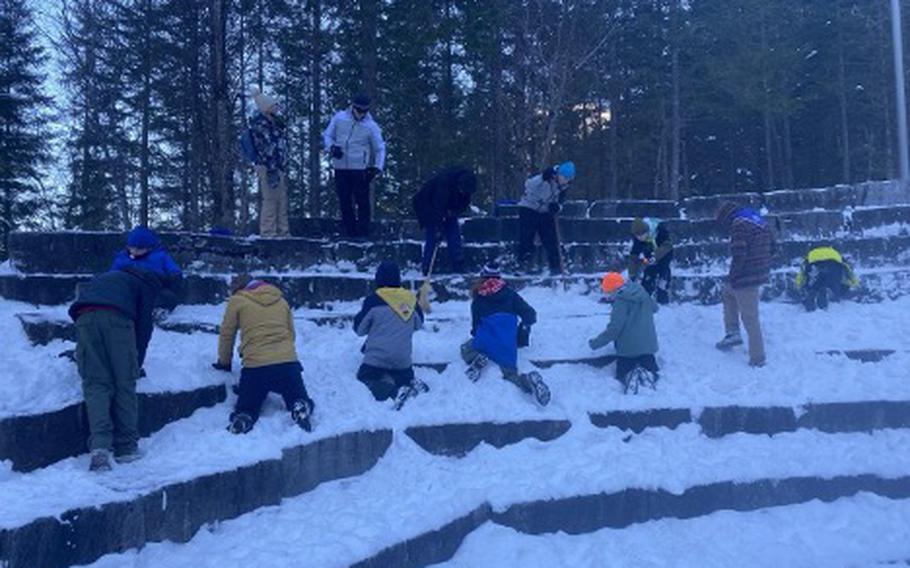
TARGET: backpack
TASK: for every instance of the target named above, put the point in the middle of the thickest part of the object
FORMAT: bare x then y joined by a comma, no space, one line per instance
247,148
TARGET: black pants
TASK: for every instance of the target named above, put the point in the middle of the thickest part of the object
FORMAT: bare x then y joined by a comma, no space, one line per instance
624,365
256,383
656,280
353,190
824,281
384,383
531,223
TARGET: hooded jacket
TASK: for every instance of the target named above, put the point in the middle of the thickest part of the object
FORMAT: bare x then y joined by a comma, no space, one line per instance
389,317
447,194
360,140
658,244
826,255
631,323
131,291
266,327
495,313
540,194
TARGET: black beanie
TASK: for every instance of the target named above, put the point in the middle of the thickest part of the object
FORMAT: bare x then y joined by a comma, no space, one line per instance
361,100
388,275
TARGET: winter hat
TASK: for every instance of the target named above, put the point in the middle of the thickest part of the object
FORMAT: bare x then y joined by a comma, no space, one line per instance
142,237
725,212
566,170
388,275
263,102
240,281
467,183
611,282
361,102
639,227
490,270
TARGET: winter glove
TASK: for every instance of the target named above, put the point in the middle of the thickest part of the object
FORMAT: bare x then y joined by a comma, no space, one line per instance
549,174
337,152
591,344
371,173
219,367
142,373
524,335
554,208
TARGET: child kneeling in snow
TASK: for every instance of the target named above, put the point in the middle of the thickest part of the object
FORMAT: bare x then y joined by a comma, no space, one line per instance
632,329
389,317
263,317
495,312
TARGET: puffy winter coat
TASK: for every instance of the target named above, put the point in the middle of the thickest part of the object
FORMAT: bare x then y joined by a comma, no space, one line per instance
447,194
826,255
157,260
131,291
631,323
266,327
495,314
540,194
360,140
389,317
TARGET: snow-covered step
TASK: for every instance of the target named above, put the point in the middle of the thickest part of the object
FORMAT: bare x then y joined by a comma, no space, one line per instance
459,439
413,509
864,530
33,441
719,421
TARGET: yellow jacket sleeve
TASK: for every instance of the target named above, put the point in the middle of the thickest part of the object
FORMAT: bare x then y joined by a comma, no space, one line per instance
229,324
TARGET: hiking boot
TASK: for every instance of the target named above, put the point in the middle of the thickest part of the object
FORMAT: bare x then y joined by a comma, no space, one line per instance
409,391
101,461
476,367
301,413
729,341
241,423
539,389
638,378
128,456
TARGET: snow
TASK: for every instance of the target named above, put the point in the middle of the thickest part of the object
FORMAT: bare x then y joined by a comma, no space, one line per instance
810,534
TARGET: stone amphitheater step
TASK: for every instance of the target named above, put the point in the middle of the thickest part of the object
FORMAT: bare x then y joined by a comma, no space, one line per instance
320,290
34,441
648,481
607,209
98,516
837,198
716,422
62,254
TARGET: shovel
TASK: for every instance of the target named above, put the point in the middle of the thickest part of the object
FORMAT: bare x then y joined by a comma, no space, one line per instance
423,295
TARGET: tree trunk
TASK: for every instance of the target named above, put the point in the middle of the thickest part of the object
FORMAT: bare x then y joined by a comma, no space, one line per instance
146,110
315,118
676,120
842,99
369,16
223,194
244,167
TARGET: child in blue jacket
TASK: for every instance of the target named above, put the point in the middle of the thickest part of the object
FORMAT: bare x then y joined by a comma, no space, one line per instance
496,311
143,249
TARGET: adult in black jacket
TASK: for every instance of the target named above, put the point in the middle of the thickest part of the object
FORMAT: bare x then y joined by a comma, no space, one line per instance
113,315
437,205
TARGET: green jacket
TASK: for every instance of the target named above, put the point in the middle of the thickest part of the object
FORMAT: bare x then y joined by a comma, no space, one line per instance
631,323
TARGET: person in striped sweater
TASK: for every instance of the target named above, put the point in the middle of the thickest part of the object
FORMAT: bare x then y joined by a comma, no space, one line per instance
751,253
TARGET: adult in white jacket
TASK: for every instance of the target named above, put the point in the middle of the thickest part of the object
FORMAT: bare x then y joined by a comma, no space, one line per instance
542,200
354,142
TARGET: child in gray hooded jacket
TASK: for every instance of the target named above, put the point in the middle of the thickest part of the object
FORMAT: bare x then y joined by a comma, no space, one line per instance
389,317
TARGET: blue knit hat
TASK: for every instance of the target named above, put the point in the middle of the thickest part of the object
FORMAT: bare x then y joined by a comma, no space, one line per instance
566,170
388,275
142,237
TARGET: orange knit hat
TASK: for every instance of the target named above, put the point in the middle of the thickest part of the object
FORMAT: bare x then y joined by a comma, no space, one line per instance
611,282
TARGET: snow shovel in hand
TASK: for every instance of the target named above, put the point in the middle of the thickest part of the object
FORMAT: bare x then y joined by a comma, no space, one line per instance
423,295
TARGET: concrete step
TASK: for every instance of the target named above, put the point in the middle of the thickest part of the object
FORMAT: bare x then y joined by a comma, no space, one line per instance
837,198
606,209
174,511
319,290
34,441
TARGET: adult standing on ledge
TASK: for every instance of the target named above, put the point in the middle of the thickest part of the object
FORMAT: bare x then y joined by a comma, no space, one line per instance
354,142
270,141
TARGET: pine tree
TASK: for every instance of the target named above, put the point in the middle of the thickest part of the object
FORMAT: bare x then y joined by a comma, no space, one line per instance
23,106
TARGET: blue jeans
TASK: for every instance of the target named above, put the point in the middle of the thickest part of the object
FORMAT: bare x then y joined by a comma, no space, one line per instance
452,233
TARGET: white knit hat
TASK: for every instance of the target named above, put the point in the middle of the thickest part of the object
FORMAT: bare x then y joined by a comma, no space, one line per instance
263,102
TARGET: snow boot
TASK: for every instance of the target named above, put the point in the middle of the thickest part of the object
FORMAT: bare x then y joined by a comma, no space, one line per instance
241,423
301,413
729,341
476,366
101,461
638,378
539,389
128,457
408,392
